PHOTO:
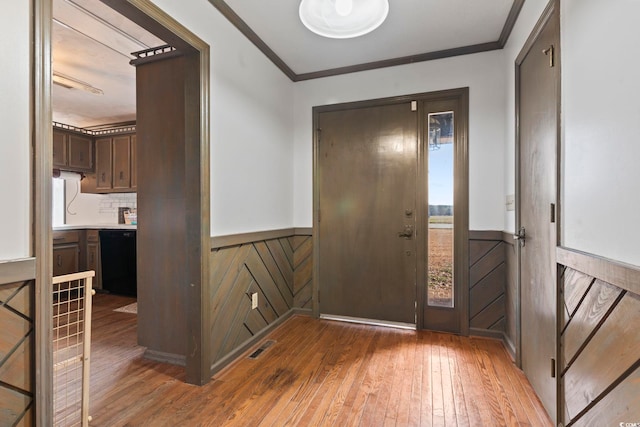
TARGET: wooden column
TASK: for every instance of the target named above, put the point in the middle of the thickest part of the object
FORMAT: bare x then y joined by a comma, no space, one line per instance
172,182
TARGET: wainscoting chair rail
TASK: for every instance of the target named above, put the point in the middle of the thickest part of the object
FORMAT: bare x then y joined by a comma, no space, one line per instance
617,273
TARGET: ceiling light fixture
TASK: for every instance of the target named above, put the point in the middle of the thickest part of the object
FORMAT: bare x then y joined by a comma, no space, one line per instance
343,19
71,83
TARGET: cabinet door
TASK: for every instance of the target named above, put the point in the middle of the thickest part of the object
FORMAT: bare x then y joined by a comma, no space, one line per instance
121,162
93,263
134,168
103,164
80,152
59,149
65,259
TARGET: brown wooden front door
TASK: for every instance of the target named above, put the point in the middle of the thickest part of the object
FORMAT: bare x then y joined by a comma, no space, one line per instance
366,178
538,95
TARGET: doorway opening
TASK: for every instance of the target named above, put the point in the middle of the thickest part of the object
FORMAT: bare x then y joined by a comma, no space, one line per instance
391,211
195,214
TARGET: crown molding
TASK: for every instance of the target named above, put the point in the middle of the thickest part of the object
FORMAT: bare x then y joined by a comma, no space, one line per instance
244,28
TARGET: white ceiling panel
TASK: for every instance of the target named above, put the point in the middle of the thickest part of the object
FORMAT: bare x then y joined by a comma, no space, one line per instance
412,27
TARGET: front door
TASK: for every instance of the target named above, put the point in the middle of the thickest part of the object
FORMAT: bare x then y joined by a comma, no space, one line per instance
538,94
367,165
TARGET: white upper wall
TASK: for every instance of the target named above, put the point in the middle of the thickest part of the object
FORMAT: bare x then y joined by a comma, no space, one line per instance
251,126
527,19
484,76
601,127
15,164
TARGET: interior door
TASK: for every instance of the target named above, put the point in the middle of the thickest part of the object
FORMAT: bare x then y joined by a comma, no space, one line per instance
367,163
538,96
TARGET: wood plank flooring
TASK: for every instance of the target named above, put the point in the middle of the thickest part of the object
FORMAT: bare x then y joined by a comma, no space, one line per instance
317,373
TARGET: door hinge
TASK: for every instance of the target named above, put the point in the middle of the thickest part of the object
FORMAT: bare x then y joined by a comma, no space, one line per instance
319,131
553,367
550,52
318,215
414,105
553,213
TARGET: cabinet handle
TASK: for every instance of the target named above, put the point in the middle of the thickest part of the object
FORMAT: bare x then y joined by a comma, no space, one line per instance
59,261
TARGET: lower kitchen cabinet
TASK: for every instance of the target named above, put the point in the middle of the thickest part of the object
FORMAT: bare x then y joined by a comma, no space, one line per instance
66,252
93,257
66,257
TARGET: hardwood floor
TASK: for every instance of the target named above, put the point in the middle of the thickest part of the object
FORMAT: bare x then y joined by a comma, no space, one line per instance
317,373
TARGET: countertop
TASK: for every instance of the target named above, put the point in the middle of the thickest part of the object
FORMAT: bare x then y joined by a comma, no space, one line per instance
95,227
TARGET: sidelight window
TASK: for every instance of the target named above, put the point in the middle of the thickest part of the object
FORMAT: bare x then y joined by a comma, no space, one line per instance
440,196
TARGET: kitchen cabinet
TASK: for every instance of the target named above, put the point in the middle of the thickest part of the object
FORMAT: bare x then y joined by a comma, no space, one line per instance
115,170
66,255
93,257
134,164
72,152
103,164
122,162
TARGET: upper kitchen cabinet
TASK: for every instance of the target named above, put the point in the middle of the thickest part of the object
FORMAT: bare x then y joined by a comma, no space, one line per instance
104,155
122,162
72,152
115,166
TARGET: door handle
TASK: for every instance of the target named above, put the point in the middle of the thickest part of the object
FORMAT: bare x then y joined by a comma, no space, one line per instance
521,236
407,233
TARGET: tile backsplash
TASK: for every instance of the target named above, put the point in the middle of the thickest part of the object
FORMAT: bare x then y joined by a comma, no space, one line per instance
110,203
93,209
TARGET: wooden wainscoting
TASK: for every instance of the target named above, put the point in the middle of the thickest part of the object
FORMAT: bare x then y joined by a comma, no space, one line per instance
277,266
511,292
302,271
17,334
600,340
487,278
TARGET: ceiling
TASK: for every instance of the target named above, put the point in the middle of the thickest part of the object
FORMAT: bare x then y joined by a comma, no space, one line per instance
413,28
93,44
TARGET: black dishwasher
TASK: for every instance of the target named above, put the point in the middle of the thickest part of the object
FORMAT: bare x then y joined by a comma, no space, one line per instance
118,257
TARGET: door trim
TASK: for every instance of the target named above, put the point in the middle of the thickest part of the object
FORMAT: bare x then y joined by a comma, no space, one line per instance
41,199
458,101
149,16
461,198
197,179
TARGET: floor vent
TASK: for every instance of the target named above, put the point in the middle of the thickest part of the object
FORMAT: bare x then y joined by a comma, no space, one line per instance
261,349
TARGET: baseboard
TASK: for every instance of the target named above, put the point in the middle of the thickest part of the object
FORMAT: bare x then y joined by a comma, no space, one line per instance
499,335
251,342
511,348
303,311
487,333
161,356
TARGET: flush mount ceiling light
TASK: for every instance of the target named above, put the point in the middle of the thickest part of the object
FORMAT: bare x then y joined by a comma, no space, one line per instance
343,19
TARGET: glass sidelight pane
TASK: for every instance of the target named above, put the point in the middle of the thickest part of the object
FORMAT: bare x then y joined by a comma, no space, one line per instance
440,193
